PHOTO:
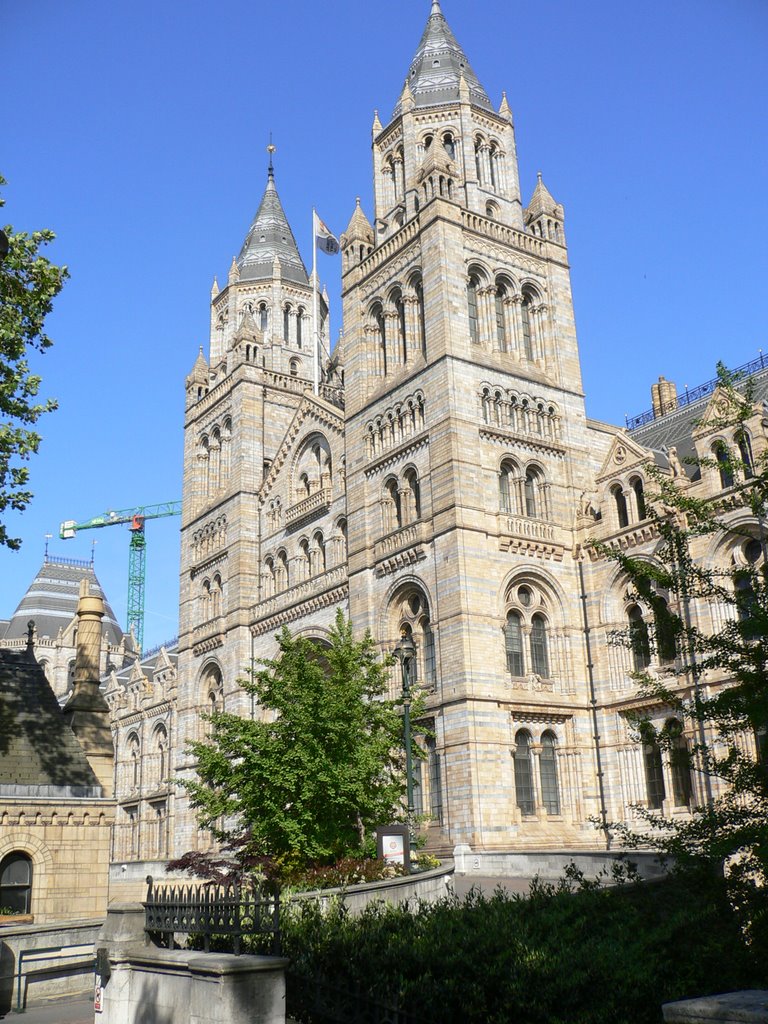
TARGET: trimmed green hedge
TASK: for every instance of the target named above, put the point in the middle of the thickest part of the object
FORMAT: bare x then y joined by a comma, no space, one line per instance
599,955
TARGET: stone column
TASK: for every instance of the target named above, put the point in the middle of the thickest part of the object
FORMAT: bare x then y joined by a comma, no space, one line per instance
86,710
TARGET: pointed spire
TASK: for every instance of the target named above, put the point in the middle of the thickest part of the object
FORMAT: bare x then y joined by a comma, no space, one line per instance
359,228
214,287
406,98
438,65
504,108
234,271
199,370
542,200
270,238
376,127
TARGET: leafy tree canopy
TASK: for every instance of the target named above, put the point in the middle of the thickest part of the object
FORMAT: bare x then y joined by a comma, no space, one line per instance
717,681
28,285
308,780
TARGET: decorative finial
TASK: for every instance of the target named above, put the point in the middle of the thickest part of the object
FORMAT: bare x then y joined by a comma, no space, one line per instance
538,175
47,538
271,149
357,203
435,8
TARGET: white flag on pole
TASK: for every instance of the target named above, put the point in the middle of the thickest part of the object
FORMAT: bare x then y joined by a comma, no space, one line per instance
326,241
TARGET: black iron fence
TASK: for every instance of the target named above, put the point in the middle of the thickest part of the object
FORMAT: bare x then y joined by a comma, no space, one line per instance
213,911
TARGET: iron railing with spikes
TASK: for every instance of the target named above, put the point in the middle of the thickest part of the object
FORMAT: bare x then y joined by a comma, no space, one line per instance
210,910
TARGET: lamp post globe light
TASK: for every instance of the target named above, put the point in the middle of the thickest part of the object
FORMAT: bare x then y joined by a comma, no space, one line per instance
405,652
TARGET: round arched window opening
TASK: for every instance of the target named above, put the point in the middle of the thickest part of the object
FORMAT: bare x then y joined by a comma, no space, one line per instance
16,883
753,551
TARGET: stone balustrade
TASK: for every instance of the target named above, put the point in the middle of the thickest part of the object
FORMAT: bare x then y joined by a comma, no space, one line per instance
510,236
309,506
404,537
300,592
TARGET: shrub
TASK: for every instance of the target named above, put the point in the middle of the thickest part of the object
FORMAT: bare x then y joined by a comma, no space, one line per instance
593,956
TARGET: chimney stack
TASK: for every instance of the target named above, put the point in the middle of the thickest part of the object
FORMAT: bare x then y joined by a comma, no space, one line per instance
663,397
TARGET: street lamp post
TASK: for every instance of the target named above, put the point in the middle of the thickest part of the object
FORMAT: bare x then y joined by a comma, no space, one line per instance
405,652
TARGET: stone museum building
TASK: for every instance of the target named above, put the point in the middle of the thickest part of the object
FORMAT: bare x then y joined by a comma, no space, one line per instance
442,480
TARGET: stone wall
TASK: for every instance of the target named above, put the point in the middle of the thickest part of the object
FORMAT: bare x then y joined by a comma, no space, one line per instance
549,864
68,843
45,975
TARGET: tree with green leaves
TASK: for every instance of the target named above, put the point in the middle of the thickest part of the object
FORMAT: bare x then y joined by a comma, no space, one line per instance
719,679
308,781
28,285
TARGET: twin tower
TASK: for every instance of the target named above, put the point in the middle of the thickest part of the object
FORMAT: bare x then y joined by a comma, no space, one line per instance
430,486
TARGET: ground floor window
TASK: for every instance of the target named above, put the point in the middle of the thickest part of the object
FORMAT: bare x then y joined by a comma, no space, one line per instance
16,883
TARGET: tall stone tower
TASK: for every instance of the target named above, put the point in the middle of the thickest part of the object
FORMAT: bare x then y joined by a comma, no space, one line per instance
467,453
239,406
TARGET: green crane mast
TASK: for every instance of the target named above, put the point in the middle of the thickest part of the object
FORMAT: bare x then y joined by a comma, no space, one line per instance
137,551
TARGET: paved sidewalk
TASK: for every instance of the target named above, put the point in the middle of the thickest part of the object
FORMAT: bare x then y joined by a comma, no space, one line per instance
488,885
75,1010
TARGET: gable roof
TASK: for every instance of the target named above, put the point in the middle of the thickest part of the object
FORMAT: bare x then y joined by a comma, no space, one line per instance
38,749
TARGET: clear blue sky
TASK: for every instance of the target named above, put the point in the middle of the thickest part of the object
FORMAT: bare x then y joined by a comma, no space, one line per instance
137,131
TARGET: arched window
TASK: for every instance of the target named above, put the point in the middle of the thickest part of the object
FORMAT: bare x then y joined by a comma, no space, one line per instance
16,882
428,651
381,337
679,763
724,466
160,739
666,631
213,688
286,323
654,775
435,781
419,289
393,516
524,773
507,475
744,594
638,639
474,330
501,329
399,305
513,642
525,311
294,367
449,145
414,495
134,754
263,316
550,792
493,157
318,550
637,486
532,488
281,570
539,654
478,162
745,452
620,501
299,320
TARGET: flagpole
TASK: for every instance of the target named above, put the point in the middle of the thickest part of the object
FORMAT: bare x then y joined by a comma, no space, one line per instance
315,334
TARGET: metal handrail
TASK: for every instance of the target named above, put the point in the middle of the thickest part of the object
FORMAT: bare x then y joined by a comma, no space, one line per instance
694,394
58,955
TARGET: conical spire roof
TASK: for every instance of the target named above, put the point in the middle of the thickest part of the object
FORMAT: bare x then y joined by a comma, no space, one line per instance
52,597
359,226
438,65
269,238
542,200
